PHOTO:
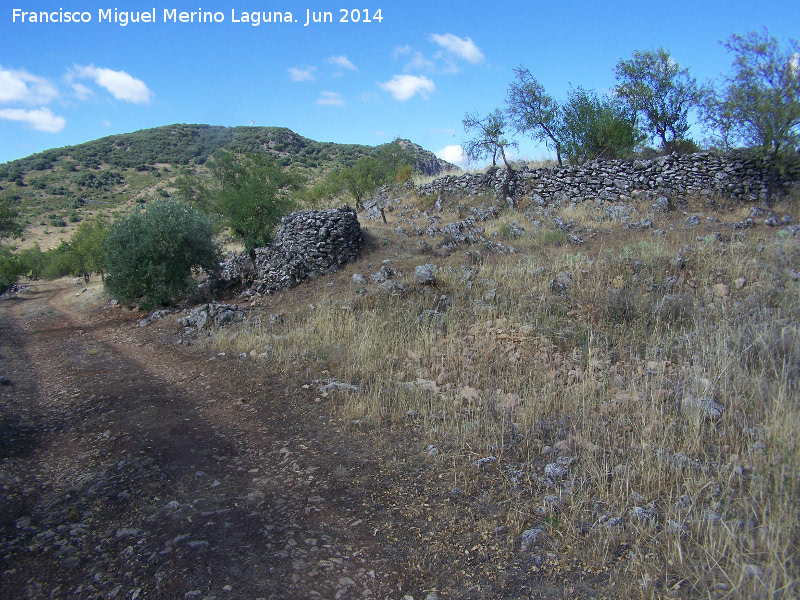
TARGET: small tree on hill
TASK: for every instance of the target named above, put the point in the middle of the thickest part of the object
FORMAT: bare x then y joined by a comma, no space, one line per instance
151,254
249,194
362,179
252,195
87,248
392,164
396,162
656,88
532,111
9,227
597,127
490,138
759,103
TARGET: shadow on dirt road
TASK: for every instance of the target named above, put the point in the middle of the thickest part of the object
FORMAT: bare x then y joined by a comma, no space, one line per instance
131,469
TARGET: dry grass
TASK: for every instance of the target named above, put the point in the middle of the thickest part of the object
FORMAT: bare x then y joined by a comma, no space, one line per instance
509,357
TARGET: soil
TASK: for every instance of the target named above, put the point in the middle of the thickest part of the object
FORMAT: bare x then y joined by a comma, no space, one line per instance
133,467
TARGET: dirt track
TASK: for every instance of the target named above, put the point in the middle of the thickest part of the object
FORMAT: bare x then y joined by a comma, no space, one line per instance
134,468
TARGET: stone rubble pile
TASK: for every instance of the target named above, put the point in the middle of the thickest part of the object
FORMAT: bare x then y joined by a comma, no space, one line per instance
458,233
217,313
306,244
736,175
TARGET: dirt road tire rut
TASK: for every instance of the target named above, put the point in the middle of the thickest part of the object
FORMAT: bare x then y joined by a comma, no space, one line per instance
133,469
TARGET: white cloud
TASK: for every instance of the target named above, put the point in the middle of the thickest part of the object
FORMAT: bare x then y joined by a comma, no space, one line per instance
302,73
446,130
81,91
41,119
453,154
21,86
120,84
330,99
379,133
463,48
341,61
401,51
404,87
105,123
418,62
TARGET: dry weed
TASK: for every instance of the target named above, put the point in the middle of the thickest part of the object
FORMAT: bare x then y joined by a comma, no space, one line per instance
662,373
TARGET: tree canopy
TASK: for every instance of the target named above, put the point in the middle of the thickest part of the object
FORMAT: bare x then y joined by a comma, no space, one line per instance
534,112
597,127
490,138
9,226
151,254
249,194
759,102
657,89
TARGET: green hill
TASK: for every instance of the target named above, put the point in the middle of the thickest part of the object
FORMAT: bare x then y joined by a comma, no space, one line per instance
182,144
55,189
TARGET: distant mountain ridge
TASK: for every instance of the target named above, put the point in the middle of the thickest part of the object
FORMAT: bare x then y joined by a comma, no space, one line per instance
183,144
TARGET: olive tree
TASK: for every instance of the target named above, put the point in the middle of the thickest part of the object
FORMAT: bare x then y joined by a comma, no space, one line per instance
87,248
656,88
391,164
533,112
251,196
9,262
151,254
248,193
362,179
9,226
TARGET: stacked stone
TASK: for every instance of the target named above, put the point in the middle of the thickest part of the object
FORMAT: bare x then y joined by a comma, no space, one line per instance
739,175
306,244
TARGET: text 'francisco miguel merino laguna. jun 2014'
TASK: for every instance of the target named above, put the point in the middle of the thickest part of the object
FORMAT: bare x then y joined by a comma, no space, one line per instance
172,15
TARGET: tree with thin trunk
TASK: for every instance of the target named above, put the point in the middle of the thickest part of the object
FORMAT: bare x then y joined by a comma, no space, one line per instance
761,98
656,88
534,112
490,138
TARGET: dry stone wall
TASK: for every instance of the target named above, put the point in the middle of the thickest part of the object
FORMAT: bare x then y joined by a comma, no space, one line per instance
742,176
306,244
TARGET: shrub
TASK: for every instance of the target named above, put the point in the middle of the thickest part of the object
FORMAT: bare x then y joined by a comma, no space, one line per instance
31,262
151,254
9,269
56,262
87,247
250,196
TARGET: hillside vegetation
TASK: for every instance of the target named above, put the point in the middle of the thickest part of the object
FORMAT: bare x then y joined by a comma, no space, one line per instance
54,190
611,408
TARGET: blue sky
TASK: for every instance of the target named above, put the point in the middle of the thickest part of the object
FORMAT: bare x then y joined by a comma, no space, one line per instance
413,74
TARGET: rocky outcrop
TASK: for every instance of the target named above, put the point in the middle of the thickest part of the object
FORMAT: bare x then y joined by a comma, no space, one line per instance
427,162
306,244
740,175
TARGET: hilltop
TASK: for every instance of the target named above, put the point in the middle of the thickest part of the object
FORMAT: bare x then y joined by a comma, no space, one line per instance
55,189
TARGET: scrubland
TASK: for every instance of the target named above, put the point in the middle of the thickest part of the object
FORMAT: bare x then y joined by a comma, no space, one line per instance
627,406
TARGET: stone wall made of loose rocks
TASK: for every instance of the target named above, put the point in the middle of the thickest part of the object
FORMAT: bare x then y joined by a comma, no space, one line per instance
738,175
306,244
